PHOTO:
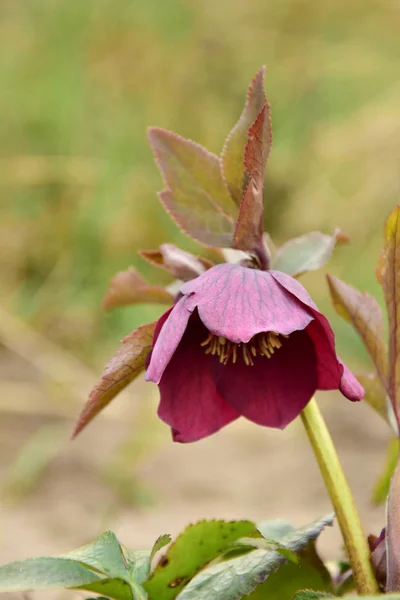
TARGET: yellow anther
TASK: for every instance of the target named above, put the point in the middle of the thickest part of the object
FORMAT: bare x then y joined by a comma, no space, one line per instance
262,344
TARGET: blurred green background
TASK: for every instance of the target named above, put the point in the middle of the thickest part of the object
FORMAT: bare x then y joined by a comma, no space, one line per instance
80,81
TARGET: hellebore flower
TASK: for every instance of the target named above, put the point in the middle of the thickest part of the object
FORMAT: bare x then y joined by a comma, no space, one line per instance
242,342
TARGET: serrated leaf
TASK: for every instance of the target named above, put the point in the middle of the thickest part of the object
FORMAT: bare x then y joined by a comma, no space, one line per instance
44,572
391,289
193,549
180,264
275,529
307,252
111,588
122,369
129,287
104,554
196,196
363,312
160,542
235,578
310,595
235,144
382,486
249,228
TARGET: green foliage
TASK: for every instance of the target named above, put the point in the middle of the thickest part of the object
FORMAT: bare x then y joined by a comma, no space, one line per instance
108,568
239,576
198,545
306,253
382,486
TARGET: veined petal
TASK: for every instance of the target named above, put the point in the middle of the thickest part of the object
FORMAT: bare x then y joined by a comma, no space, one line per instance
238,302
190,402
274,390
168,333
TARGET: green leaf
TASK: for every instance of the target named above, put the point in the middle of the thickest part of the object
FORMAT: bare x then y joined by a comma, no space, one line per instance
249,227
310,595
44,572
120,371
196,196
307,253
129,287
284,583
381,489
235,144
363,312
391,288
275,529
193,549
160,542
232,579
104,555
111,588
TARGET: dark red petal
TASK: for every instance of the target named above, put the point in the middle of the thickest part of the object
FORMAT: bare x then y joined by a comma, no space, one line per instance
237,302
190,402
275,390
332,372
168,333
329,371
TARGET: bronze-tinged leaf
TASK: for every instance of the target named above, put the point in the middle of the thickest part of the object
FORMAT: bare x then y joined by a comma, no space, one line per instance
180,264
391,287
235,144
307,252
202,223
249,226
196,196
129,287
393,533
124,367
363,312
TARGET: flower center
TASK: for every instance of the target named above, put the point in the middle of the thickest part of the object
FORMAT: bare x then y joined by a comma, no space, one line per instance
263,344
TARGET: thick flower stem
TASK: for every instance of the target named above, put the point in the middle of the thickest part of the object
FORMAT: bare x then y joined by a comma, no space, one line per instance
341,498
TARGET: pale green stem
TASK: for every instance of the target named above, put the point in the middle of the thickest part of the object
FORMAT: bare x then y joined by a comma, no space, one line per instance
341,498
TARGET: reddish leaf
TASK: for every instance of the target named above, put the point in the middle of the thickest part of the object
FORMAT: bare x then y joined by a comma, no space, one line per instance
393,533
307,253
375,394
363,312
249,227
196,196
390,273
177,262
124,367
235,144
129,287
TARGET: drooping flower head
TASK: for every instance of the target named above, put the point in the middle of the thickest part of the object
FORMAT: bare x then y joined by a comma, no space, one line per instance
242,342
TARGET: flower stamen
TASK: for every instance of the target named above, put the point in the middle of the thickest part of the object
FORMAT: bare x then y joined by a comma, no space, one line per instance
263,344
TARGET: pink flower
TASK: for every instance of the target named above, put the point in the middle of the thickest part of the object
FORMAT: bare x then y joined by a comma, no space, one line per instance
242,342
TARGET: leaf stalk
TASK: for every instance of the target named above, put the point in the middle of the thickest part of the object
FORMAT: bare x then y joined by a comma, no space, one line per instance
341,497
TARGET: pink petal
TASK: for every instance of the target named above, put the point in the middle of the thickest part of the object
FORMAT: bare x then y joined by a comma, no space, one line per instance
190,402
349,385
294,287
237,302
168,333
275,390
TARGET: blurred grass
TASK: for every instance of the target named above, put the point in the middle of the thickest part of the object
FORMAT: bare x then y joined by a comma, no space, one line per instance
80,83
